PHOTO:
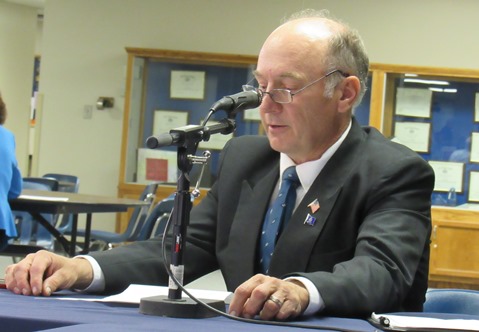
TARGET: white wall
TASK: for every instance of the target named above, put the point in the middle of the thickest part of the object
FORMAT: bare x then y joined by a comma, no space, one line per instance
83,57
17,42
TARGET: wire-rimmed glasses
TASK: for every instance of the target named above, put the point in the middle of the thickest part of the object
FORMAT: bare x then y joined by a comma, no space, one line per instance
285,96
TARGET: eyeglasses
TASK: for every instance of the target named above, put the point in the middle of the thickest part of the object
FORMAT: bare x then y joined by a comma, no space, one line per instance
285,96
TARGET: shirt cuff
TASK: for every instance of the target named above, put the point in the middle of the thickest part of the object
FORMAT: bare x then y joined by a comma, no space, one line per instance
98,283
316,302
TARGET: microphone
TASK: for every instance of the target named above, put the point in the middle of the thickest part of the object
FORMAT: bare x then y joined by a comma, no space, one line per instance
238,102
161,140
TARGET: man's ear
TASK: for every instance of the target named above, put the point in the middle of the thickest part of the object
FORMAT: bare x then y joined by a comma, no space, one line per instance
350,88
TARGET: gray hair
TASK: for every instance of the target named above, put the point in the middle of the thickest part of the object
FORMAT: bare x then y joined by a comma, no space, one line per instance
346,52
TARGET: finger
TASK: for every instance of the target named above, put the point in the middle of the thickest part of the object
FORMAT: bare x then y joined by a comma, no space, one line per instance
60,279
40,269
10,281
240,297
17,276
242,294
289,309
258,300
68,273
271,308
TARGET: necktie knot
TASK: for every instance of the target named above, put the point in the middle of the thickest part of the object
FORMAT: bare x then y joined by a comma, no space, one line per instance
290,175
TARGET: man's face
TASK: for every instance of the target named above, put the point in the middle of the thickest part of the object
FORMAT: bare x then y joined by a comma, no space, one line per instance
308,125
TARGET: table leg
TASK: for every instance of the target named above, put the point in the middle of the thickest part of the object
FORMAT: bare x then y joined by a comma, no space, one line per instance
86,247
73,239
57,234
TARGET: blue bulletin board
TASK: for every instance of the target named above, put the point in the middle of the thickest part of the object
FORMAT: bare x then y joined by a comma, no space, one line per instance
452,124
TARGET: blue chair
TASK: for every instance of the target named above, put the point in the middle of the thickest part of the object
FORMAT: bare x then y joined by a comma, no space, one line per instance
28,240
156,220
66,183
135,223
453,301
53,184
40,234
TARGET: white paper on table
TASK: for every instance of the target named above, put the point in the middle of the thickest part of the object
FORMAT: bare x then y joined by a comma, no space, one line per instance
44,198
134,293
434,324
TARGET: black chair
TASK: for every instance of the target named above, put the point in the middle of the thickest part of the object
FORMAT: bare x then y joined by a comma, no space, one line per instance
156,220
452,301
135,223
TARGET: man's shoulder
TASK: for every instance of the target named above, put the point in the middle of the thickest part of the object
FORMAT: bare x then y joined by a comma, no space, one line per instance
251,144
249,151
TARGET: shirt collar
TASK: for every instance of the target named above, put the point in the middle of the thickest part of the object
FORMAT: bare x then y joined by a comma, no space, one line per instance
309,171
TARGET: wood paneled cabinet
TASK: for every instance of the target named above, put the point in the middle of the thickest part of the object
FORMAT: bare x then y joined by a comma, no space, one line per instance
454,248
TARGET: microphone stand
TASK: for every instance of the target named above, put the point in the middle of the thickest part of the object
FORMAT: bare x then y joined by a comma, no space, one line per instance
174,305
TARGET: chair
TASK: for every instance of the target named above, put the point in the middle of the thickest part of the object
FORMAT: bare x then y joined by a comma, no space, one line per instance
51,183
453,301
66,183
135,223
28,241
157,218
40,234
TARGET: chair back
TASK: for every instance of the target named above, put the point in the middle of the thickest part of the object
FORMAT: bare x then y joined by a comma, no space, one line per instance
29,230
453,301
140,214
66,183
157,218
135,222
52,184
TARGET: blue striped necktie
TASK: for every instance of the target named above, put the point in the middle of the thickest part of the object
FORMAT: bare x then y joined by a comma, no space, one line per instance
277,216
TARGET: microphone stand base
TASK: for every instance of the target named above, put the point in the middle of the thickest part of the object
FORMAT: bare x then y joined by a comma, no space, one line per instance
181,308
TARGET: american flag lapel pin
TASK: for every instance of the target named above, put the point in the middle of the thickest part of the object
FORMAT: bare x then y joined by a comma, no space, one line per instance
310,220
314,206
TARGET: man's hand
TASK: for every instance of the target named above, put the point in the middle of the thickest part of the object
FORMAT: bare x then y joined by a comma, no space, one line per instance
270,298
43,273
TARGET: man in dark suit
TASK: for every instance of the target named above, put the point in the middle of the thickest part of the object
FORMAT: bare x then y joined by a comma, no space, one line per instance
358,239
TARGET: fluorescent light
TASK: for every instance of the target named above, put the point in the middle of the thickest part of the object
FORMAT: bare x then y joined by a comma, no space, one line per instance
421,81
410,75
443,90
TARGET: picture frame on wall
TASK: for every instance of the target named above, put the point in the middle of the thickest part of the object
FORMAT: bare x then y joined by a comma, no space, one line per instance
414,135
448,175
476,108
473,187
165,120
413,102
474,158
187,84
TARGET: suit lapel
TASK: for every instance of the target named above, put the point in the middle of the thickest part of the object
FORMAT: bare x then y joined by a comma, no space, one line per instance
288,255
243,237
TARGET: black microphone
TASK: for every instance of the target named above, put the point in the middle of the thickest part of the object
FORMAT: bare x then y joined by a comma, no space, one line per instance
159,141
238,102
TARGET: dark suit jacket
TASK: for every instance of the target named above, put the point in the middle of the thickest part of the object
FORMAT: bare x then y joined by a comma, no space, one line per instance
368,250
